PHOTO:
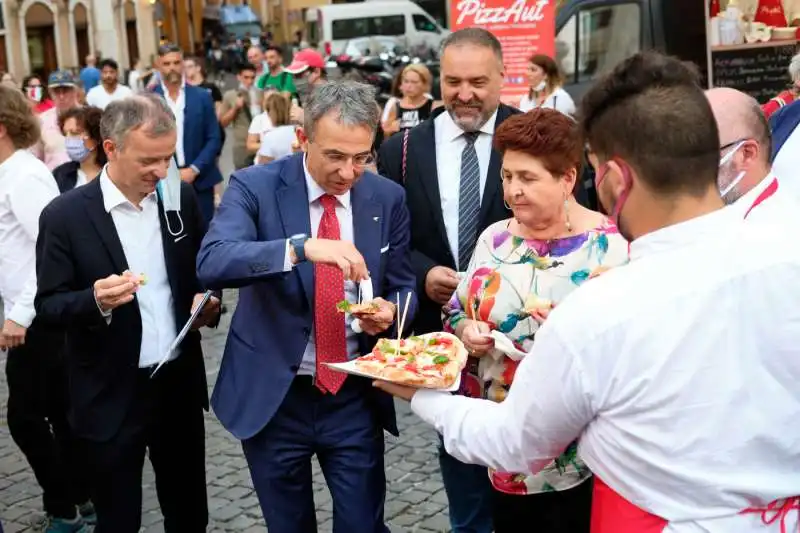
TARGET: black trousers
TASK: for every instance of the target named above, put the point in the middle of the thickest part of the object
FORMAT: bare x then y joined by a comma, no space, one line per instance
37,420
567,511
167,421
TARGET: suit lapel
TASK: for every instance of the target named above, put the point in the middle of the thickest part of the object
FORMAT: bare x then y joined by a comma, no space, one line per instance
293,208
367,224
493,183
423,159
189,129
104,225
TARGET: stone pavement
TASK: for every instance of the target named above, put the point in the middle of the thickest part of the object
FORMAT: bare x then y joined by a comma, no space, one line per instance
415,502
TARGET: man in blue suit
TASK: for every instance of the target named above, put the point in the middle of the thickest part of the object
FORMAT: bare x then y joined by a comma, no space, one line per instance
198,130
298,236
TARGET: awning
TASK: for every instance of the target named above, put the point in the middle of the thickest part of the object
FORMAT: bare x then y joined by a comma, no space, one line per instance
237,15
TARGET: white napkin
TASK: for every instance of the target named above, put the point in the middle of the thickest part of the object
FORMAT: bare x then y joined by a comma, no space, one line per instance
365,292
504,344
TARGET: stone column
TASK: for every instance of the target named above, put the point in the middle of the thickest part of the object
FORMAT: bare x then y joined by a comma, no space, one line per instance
124,57
107,24
23,44
146,31
73,39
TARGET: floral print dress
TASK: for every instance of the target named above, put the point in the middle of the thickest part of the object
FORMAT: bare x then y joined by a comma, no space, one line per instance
508,274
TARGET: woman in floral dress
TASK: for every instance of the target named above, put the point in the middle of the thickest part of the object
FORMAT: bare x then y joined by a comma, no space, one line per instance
521,269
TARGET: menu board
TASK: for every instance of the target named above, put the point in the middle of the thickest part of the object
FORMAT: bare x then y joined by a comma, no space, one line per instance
760,71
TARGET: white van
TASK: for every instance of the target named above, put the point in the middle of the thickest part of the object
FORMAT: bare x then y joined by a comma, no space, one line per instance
331,26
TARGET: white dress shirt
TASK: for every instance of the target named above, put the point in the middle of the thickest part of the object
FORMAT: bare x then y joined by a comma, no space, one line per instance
26,187
787,164
679,373
344,212
139,231
177,107
450,143
769,201
99,97
82,179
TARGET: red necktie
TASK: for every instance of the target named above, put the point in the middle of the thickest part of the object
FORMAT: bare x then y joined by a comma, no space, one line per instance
328,291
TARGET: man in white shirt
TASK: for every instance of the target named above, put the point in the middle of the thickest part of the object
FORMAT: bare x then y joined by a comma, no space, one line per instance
110,89
116,268
677,372
785,126
746,181
453,186
36,380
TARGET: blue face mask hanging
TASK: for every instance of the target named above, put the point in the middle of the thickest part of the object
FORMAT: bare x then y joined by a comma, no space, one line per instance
169,190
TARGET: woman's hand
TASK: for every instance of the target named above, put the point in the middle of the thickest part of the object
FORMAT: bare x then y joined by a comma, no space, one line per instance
540,315
476,337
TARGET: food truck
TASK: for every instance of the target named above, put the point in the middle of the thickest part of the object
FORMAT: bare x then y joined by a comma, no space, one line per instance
718,35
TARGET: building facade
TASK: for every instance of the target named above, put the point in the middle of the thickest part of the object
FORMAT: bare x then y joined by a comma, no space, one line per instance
39,36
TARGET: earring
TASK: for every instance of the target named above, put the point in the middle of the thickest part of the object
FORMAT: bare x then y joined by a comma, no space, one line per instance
566,216
506,205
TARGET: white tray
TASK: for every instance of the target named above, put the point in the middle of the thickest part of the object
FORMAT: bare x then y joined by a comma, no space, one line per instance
351,368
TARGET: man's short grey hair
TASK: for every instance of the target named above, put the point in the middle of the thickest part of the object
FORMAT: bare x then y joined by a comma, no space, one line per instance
146,111
351,101
475,37
794,68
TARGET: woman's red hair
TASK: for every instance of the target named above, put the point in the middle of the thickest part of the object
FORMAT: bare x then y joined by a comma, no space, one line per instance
546,134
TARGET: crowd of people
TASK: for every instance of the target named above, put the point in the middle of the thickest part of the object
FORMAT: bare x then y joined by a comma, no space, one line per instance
651,386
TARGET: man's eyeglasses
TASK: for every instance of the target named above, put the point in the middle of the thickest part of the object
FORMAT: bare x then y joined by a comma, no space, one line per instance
338,158
732,143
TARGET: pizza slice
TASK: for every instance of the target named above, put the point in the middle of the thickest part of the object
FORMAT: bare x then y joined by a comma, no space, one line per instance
367,308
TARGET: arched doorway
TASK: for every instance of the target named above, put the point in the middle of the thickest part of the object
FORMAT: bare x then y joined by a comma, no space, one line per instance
81,17
131,33
40,31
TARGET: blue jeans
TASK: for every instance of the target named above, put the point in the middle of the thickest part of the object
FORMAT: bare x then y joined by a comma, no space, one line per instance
469,494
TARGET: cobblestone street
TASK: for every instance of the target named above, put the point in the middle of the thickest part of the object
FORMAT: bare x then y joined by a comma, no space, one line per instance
415,498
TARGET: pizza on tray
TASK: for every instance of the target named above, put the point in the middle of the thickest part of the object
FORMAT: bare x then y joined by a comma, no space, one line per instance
432,361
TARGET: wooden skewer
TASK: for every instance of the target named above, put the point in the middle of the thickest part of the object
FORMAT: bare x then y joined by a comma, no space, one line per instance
405,312
399,329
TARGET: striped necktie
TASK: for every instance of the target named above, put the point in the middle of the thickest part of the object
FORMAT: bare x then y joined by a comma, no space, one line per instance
469,200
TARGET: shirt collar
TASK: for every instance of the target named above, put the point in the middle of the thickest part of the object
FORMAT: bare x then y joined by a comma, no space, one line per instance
113,197
451,131
315,191
749,198
166,91
683,233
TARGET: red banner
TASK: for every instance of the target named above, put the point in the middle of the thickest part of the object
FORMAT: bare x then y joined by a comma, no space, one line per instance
524,28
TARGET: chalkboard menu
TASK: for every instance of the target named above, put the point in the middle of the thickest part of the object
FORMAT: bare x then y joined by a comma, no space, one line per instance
761,71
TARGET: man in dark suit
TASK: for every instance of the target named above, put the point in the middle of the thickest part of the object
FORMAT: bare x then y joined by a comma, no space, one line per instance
198,129
299,235
454,190
115,267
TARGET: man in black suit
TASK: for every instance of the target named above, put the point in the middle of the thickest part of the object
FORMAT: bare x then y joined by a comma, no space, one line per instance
116,268
454,191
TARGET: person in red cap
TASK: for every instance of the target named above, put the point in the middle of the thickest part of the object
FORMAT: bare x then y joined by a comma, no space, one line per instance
308,69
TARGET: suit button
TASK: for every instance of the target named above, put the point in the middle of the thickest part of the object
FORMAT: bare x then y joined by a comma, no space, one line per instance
294,368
